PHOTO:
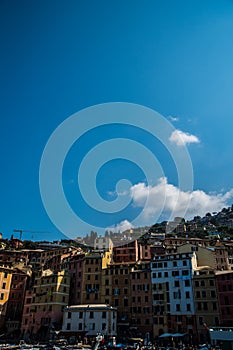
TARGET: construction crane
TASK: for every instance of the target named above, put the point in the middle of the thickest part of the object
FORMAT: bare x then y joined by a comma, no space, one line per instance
28,231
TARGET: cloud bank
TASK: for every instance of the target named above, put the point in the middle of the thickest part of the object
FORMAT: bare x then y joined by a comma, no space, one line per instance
174,201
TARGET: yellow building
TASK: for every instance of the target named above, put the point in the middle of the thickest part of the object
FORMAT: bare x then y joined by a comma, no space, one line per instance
205,256
206,302
94,264
5,284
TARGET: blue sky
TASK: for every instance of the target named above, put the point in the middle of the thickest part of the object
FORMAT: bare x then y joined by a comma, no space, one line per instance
57,58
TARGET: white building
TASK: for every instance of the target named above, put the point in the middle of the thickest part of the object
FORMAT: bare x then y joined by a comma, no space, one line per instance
90,320
173,300
103,243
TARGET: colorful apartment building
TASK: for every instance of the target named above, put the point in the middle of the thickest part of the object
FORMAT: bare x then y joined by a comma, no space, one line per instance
92,275
141,300
14,309
74,264
50,297
5,284
172,294
224,281
116,291
206,302
126,252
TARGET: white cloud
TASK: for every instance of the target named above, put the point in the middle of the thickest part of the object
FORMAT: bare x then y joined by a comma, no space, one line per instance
121,227
173,119
174,201
115,193
181,138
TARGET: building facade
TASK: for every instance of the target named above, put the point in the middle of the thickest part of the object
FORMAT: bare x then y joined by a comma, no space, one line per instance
90,320
172,294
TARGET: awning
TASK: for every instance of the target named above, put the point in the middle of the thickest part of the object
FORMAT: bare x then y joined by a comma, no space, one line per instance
165,335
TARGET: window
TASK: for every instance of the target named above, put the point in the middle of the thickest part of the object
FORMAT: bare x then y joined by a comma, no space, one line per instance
185,273
4,285
126,302
187,283
177,307
104,314
177,295
175,273
213,294
2,296
174,263
184,262
91,314
68,326
187,295
116,291
81,314
166,274
80,326
69,315
188,307
92,326
103,326
160,320
177,283
203,294
5,275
